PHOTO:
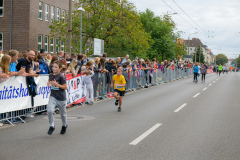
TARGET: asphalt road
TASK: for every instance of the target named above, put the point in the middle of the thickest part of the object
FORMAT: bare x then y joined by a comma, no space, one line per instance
174,121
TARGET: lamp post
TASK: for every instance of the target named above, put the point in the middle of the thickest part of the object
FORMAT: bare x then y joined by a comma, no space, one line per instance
81,10
188,42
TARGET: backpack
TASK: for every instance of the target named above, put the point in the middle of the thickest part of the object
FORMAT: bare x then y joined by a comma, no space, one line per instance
43,67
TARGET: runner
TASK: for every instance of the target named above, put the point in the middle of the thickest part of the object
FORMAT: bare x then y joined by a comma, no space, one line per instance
220,68
203,71
195,70
224,69
119,87
57,96
227,69
231,68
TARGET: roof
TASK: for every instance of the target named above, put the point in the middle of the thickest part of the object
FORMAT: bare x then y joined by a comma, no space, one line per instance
195,42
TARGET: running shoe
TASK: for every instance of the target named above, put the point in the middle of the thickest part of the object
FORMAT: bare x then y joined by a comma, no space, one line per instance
119,109
116,102
86,103
91,103
64,128
51,129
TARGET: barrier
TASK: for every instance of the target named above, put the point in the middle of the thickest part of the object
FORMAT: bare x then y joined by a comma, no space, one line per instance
209,71
16,103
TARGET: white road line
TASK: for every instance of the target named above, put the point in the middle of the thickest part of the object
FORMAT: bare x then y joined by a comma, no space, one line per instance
196,95
210,84
204,88
214,81
181,107
144,135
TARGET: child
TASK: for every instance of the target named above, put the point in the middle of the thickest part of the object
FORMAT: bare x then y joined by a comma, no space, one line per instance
57,97
119,87
89,86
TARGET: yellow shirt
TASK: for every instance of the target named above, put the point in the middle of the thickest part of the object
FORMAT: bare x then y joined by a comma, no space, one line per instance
119,80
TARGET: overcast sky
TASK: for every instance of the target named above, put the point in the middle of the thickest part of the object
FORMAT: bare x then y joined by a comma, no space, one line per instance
219,19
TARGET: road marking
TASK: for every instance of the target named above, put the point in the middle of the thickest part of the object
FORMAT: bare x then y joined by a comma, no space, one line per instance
216,79
210,84
204,88
144,135
196,95
181,107
213,81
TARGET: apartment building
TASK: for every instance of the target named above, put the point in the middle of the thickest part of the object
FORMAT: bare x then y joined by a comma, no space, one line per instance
24,24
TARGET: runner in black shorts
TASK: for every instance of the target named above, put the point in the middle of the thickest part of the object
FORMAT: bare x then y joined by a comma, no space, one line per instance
119,87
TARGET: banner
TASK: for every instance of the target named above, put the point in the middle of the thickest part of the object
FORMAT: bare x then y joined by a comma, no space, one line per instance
76,92
14,93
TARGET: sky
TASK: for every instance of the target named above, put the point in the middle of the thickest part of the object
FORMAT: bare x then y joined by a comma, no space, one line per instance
216,21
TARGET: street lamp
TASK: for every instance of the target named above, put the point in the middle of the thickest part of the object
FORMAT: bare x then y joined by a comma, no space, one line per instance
188,42
81,10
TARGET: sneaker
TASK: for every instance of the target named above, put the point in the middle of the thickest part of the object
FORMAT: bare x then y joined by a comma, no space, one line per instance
119,109
86,103
91,103
63,129
51,129
116,102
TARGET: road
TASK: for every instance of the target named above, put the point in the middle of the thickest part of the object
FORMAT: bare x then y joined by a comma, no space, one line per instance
179,120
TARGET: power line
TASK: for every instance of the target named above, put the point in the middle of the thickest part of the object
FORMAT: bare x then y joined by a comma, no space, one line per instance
179,14
190,17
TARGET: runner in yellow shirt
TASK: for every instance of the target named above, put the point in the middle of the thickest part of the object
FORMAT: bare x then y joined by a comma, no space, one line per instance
119,87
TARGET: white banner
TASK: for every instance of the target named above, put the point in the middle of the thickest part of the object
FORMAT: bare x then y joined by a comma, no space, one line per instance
76,92
14,93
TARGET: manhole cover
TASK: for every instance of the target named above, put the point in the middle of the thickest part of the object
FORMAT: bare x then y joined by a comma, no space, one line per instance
73,117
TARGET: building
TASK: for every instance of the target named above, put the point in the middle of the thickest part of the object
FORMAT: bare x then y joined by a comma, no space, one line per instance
192,46
25,24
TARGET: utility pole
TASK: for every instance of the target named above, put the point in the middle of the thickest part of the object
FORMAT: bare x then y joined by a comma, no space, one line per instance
200,51
70,27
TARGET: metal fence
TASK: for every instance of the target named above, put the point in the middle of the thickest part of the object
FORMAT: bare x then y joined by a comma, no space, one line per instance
136,79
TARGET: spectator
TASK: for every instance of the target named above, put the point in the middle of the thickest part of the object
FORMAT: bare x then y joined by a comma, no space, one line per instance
26,64
54,58
35,64
23,55
1,54
4,68
75,56
97,63
89,65
48,58
126,58
42,54
104,55
12,66
80,60
87,80
68,58
72,66
119,61
43,67
114,67
85,59
60,55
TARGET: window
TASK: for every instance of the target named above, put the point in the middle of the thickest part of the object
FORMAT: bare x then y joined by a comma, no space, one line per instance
1,40
46,12
1,8
51,44
57,45
62,45
46,44
39,42
40,10
190,49
63,14
58,14
52,13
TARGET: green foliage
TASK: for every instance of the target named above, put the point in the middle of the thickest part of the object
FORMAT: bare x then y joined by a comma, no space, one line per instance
238,61
119,25
181,50
163,44
197,51
221,59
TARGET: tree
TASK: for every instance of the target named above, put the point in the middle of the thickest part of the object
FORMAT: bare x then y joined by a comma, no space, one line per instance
163,44
221,59
119,25
181,50
197,51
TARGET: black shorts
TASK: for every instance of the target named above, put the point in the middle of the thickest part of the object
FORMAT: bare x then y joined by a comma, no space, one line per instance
121,93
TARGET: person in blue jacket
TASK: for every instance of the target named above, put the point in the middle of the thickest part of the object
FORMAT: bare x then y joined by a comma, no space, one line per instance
195,70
